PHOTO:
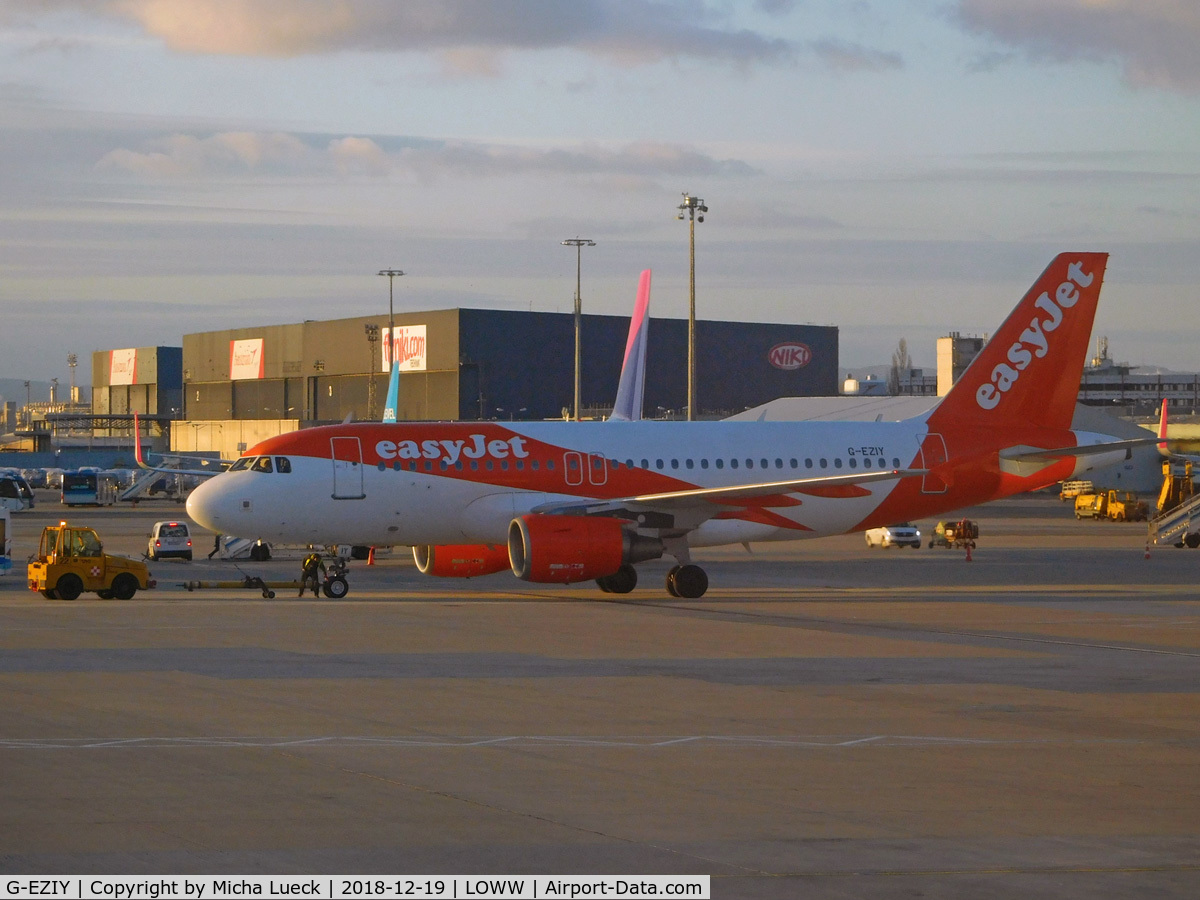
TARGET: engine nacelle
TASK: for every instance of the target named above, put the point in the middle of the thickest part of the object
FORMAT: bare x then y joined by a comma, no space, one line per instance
460,560
568,549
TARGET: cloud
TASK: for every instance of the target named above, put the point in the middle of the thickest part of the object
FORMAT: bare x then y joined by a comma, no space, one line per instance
1155,41
182,156
471,33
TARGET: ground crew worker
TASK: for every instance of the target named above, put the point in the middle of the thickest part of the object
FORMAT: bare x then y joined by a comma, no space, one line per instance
308,574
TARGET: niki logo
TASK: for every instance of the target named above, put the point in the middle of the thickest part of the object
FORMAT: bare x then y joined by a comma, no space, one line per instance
790,355
1034,340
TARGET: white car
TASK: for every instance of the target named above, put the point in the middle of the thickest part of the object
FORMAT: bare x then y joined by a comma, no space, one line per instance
900,535
169,539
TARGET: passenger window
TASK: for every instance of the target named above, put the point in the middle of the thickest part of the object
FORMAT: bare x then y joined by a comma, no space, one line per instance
283,464
689,464
533,465
895,462
837,463
749,464
794,463
824,463
674,464
720,463
779,464
704,463
549,465
867,463
808,463
853,463
658,463
645,463
733,463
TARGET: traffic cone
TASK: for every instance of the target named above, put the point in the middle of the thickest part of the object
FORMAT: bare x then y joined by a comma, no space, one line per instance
1147,550
371,557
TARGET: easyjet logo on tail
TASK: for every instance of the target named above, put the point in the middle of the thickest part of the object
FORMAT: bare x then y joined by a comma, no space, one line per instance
1034,340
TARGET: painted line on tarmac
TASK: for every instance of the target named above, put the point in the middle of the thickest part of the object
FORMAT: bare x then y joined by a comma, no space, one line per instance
618,742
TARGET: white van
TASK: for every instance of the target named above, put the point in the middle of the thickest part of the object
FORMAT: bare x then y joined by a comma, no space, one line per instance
170,539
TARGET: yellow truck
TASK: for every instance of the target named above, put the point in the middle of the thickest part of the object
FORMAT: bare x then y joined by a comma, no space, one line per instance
72,560
1116,506
1125,507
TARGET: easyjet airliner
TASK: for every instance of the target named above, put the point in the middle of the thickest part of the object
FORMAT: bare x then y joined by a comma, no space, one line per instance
568,502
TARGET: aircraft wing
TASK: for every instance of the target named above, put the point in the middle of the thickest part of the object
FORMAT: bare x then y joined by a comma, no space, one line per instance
708,502
218,466
1031,454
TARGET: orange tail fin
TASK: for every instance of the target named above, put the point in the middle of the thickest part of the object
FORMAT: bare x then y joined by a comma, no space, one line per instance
1029,372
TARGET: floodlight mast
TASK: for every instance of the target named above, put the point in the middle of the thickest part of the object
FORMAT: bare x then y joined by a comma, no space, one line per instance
694,209
391,275
578,243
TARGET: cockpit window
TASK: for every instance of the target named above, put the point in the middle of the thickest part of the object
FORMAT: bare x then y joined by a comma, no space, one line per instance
262,464
241,463
283,464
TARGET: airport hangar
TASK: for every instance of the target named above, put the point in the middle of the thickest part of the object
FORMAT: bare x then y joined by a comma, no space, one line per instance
240,386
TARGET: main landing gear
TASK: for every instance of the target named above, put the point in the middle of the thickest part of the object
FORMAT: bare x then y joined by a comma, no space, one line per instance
687,581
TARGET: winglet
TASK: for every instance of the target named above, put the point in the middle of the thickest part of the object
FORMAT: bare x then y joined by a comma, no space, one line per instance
137,444
393,394
632,387
1162,430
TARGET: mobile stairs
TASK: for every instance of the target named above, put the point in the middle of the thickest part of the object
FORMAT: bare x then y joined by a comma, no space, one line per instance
1179,526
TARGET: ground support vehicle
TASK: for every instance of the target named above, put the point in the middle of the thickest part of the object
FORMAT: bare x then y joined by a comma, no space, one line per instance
1091,506
169,539
902,535
1125,507
1072,489
962,533
1178,519
335,586
72,560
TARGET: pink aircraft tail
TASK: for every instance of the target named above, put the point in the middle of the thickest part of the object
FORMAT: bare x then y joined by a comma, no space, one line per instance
632,387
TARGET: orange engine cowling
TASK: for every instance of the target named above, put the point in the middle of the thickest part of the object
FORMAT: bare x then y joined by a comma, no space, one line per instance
567,549
460,560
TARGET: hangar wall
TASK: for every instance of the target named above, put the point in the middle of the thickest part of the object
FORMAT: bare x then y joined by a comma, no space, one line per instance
483,364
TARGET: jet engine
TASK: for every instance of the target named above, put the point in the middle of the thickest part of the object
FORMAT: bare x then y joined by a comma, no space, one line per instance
460,560
568,549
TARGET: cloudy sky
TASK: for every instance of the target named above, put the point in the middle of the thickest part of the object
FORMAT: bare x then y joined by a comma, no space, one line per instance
899,168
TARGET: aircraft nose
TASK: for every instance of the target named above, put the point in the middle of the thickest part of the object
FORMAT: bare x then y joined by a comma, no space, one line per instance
210,505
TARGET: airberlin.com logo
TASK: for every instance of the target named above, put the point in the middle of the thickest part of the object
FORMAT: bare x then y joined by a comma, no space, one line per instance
789,355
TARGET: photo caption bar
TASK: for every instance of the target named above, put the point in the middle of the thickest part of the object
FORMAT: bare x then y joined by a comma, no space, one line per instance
355,887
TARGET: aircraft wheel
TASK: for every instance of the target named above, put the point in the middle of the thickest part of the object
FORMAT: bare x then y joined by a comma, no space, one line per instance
602,583
336,588
691,582
69,587
621,581
671,587
1193,540
124,586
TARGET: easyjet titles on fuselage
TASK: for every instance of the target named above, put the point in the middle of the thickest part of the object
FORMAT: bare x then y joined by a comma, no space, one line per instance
1004,376
476,447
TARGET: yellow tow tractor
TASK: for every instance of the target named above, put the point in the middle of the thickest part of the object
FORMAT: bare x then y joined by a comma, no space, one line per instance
72,560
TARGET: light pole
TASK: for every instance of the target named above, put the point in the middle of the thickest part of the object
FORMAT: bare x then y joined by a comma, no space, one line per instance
694,209
391,275
372,331
578,244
